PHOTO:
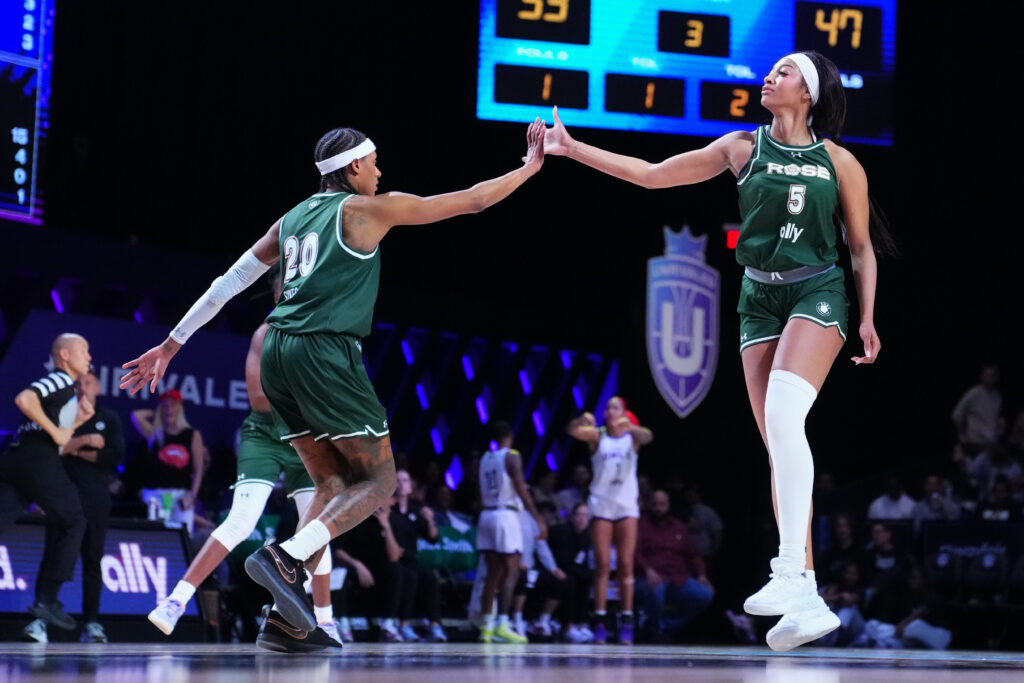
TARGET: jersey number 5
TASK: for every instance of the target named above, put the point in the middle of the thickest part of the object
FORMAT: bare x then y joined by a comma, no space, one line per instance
300,258
796,198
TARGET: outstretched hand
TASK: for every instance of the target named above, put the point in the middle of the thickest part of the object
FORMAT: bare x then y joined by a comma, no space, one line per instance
556,139
149,367
872,345
535,144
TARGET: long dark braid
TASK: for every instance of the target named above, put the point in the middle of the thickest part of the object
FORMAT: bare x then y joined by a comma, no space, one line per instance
829,115
335,142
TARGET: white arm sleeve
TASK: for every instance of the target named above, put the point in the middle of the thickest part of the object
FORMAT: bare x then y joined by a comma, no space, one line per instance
246,271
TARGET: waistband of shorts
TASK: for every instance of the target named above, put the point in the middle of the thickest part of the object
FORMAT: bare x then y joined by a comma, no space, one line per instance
785,277
503,507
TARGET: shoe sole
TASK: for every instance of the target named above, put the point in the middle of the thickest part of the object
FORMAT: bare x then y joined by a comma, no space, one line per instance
270,643
292,609
52,619
762,610
787,639
164,627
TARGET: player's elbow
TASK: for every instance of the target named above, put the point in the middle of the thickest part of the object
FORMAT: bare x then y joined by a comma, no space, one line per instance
22,400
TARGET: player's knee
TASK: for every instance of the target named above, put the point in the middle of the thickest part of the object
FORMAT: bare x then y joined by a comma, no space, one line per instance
238,525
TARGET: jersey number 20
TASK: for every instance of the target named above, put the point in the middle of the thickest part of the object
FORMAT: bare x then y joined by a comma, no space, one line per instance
300,258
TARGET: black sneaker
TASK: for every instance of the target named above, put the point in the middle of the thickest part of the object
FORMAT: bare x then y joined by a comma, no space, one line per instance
278,635
283,576
53,613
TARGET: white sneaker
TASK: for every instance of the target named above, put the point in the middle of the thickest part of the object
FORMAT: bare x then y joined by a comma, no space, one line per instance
793,630
345,630
519,626
331,629
785,593
541,628
587,634
36,631
166,614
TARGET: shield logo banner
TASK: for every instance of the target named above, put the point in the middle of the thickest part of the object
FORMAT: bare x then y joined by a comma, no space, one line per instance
682,321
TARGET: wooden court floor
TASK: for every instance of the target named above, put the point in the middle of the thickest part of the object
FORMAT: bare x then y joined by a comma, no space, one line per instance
472,663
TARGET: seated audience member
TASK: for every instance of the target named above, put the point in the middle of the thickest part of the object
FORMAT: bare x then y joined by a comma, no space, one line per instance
935,503
410,521
1000,506
704,523
991,463
570,544
669,570
375,579
170,467
920,620
440,499
885,575
576,491
894,503
543,487
844,597
539,580
842,548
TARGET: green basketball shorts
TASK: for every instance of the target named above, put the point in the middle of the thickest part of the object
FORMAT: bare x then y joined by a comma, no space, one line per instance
766,308
262,456
317,385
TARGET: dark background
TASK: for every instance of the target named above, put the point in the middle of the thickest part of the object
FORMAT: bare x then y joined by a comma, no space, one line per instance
179,134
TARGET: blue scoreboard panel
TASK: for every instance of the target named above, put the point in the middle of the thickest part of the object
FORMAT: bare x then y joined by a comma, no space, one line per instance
677,66
26,55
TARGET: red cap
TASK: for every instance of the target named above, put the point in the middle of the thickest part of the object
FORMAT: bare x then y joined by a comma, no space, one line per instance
172,394
632,418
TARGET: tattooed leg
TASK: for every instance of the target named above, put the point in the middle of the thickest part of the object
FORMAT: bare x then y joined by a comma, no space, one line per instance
353,477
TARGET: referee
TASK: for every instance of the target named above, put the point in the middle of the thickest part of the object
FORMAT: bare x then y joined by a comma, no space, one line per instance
31,471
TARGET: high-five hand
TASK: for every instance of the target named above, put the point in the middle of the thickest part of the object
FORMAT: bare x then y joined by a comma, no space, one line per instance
556,139
535,144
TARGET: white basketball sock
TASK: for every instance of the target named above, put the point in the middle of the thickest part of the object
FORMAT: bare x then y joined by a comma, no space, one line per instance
786,405
307,541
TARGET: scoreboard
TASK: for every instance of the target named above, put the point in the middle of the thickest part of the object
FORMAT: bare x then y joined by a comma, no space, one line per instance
689,67
26,57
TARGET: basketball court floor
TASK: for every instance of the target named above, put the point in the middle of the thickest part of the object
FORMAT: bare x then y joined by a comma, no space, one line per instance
472,663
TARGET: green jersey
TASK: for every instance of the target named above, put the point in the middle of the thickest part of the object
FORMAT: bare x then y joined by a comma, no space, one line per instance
788,196
327,286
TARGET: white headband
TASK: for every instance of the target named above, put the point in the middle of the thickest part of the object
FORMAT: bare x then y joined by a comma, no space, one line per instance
810,74
342,160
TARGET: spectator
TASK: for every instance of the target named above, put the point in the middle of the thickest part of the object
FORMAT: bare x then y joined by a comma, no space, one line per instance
935,503
371,553
920,622
577,490
543,487
977,415
570,544
440,499
704,523
1000,506
840,550
894,503
411,520
669,569
170,468
844,597
91,455
993,462
886,573
539,578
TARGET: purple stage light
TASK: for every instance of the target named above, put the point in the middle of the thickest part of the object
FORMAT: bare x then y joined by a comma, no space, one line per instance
493,445
56,301
550,460
481,409
453,475
407,352
436,438
566,359
538,423
577,397
138,317
524,379
422,394
467,367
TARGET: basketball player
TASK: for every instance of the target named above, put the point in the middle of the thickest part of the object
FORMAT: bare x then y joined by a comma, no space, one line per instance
499,534
794,178
262,457
614,507
311,367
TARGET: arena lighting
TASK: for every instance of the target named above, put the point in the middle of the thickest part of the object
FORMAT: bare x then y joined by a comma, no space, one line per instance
435,437
467,367
538,423
407,352
524,379
577,398
453,475
481,409
422,395
550,460
566,359
56,301
732,234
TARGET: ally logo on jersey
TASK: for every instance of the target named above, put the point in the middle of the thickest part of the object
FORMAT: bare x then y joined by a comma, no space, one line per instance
682,321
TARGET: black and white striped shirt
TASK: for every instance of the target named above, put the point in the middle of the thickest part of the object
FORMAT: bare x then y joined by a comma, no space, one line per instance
56,392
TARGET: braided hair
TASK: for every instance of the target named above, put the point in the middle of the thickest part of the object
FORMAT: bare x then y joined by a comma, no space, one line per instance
335,142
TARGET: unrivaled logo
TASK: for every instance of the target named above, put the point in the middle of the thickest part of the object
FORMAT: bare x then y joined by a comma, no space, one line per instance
127,572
